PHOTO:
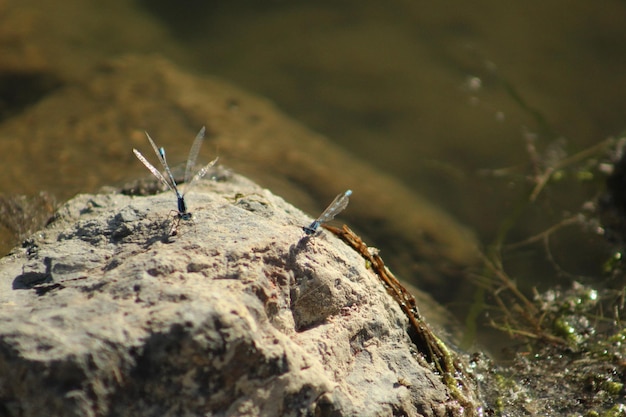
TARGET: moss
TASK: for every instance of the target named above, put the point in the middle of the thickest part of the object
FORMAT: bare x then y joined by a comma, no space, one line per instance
612,387
618,410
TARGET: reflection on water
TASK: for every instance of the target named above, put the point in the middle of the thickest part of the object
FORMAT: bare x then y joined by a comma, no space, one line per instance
439,94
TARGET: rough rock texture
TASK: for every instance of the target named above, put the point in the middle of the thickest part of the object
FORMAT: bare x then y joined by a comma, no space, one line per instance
103,313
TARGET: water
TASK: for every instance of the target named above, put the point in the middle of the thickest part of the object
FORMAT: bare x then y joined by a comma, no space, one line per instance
392,80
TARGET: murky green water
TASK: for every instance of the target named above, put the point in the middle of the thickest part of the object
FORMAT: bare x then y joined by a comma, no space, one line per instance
425,91
439,94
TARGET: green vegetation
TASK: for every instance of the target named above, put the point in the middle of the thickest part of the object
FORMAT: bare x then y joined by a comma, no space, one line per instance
570,351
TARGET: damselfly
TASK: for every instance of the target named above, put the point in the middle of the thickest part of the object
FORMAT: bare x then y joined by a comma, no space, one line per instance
339,204
169,180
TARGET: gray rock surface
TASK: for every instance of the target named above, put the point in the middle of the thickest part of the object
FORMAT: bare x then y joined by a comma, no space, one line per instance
103,313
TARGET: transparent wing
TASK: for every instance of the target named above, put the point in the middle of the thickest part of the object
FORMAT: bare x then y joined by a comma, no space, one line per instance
157,151
152,169
160,153
201,173
193,154
338,205
167,170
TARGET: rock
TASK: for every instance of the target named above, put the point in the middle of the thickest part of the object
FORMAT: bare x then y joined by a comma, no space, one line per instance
104,313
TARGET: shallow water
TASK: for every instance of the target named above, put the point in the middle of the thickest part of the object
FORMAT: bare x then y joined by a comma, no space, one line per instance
435,93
